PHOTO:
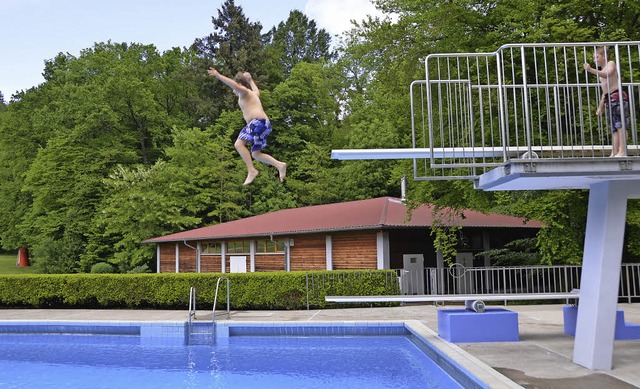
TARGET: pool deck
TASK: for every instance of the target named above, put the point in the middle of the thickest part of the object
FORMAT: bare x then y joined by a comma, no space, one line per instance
541,359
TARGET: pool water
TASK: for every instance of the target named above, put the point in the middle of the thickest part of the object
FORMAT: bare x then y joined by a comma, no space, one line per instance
95,361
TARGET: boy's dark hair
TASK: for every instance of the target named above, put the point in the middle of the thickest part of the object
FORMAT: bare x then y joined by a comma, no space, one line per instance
242,80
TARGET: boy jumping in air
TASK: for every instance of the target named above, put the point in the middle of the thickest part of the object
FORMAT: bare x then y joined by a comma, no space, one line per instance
258,126
612,99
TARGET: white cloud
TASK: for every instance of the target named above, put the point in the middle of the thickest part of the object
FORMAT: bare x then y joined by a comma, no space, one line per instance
335,15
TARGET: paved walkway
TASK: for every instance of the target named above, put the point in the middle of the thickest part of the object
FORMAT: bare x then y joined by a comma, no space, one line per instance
541,359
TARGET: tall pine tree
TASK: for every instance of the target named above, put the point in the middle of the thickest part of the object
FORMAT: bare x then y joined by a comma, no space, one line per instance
235,45
296,40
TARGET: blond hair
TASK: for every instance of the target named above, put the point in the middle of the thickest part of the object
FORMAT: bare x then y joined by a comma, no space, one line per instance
603,50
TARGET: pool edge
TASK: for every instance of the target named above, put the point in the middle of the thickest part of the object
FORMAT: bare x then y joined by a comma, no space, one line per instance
474,366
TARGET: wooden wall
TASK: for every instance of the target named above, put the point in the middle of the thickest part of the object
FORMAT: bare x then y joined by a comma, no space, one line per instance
355,250
187,259
351,250
211,263
167,257
267,262
309,252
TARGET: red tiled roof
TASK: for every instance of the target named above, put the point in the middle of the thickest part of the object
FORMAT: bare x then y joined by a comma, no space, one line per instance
383,212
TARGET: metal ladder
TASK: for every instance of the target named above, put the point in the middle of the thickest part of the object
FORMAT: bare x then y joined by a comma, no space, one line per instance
192,307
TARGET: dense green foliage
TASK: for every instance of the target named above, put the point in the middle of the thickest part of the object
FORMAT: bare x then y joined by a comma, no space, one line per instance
124,143
292,290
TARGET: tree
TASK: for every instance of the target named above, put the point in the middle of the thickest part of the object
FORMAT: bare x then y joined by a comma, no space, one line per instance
22,133
192,188
294,41
468,26
235,45
304,112
112,106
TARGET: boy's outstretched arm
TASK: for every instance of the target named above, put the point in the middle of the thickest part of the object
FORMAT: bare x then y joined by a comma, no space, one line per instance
238,88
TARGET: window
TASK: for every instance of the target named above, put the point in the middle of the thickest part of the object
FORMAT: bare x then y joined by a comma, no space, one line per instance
238,247
211,247
244,247
269,246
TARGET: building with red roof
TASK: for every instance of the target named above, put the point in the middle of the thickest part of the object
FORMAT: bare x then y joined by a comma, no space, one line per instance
377,233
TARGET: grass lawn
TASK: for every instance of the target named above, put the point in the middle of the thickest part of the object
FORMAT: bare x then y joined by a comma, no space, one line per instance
8,265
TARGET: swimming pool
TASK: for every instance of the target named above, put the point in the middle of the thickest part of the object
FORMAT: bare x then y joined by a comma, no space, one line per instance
253,355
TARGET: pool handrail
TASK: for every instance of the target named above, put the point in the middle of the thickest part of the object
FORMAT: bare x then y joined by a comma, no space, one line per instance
215,301
192,305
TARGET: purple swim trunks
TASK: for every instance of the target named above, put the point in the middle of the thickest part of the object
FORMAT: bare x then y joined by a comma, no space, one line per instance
617,110
256,133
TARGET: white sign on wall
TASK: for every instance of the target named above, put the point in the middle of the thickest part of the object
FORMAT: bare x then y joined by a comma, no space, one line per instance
238,264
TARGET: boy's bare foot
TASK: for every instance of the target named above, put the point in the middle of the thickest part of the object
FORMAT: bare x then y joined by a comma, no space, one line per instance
620,155
282,170
250,177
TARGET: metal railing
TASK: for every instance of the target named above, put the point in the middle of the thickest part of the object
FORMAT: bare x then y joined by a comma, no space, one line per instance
510,280
192,306
215,301
476,111
321,284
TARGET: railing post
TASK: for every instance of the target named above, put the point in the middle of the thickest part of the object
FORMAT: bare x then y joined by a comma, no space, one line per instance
228,300
628,287
307,286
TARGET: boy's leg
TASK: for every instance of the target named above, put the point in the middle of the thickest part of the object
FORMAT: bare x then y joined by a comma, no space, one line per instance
621,151
615,144
252,172
266,158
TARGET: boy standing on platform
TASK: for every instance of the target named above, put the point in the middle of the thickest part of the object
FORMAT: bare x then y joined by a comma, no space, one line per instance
616,102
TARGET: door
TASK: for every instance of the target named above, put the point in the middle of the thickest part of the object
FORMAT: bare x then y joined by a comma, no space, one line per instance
413,274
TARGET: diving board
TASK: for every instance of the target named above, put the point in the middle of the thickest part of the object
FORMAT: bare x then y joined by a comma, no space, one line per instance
421,298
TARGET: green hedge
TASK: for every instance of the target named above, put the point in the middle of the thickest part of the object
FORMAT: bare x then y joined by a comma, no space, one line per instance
265,290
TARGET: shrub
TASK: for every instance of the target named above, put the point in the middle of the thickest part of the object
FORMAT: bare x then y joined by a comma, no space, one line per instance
139,269
268,290
102,267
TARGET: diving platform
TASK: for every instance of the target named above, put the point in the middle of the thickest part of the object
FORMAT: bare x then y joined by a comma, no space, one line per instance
471,152
524,118
518,173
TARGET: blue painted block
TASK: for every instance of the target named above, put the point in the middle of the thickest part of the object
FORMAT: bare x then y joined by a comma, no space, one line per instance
629,331
624,331
465,326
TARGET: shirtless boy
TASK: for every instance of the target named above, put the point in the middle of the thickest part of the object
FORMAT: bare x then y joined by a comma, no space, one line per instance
612,99
258,126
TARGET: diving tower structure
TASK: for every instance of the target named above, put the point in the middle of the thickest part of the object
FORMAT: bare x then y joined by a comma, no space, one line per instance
524,118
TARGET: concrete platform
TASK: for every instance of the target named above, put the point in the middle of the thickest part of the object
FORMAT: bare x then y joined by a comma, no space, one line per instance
541,359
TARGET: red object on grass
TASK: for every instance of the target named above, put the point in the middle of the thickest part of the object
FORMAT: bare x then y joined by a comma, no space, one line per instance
23,257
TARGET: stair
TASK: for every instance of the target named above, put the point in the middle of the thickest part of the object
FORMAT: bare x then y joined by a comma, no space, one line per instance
201,333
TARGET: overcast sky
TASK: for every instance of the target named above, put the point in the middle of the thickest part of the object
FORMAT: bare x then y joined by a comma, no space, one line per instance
36,30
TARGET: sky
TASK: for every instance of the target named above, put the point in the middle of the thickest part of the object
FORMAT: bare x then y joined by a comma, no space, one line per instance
32,31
